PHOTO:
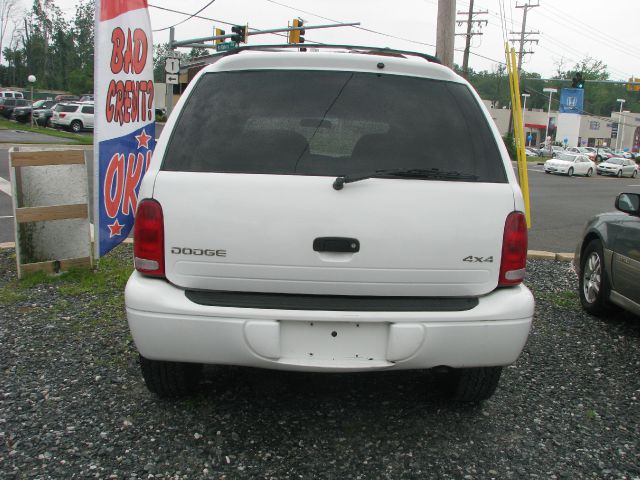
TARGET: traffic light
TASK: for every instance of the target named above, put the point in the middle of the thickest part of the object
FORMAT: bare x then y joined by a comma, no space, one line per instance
241,33
217,32
295,36
577,81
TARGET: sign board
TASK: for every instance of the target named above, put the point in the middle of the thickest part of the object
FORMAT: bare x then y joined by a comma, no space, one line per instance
172,65
223,47
124,135
571,100
172,79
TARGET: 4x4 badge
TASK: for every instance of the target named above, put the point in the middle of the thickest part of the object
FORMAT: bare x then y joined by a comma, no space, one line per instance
473,259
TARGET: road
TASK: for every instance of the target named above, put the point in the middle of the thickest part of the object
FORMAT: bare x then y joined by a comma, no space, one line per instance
560,205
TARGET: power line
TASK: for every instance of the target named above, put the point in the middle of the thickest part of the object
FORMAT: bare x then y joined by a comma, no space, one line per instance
470,33
357,28
186,19
215,20
523,33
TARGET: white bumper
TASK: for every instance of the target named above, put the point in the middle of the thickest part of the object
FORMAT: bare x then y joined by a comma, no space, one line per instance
167,326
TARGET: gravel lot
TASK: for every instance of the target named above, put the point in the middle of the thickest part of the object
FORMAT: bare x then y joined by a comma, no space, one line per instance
73,405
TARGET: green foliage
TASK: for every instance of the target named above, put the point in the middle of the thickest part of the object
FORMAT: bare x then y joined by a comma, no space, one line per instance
58,52
565,299
510,143
600,98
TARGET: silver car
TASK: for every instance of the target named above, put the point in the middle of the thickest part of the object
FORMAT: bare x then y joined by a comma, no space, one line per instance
607,259
619,167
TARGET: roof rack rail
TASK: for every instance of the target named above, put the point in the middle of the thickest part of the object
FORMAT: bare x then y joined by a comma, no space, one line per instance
351,48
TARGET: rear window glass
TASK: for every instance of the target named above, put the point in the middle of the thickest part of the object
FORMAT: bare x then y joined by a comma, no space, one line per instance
66,108
331,123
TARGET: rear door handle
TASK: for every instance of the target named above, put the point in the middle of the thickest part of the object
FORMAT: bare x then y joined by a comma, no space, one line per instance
336,244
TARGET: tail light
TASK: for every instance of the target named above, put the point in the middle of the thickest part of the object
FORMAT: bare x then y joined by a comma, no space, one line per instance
148,239
62,115
514,250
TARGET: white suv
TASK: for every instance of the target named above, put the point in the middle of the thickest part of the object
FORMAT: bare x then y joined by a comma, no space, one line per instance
73,116
333,211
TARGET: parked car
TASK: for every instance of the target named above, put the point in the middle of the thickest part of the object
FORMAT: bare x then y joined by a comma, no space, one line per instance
298,275
589,152
532,152
73,116
603,153
570,164
619,167
7,105
66,98
42,116
607,258
87,97
11,94
555,149
23,114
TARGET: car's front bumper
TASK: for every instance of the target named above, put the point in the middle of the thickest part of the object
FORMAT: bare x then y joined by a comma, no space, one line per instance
167,326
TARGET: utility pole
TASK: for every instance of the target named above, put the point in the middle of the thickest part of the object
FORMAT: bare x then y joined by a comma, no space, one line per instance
446,31
523,33
470,33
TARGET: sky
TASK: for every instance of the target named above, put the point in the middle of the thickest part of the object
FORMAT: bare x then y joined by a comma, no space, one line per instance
570,30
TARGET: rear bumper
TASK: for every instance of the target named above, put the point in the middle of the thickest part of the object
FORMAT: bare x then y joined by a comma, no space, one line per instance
167,326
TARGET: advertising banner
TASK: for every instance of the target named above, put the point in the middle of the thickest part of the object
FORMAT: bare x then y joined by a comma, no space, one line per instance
124,135
572,100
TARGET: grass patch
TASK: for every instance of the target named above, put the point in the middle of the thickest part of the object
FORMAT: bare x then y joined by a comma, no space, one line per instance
111,275
565,299
9,296
108,278
71,138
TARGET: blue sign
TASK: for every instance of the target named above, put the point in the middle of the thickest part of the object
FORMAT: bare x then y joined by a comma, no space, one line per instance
571,100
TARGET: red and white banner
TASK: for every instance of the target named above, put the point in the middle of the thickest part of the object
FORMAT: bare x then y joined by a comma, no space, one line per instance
124,132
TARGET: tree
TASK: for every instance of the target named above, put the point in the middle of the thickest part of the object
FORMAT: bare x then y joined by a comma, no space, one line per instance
7,11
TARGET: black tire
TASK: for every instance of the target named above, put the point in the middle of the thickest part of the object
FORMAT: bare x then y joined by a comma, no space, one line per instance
619,174
472,385
570,172
593,283
170,379
589,172
76,126
634,174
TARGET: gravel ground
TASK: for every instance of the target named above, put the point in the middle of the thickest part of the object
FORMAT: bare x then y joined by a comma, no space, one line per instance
73,405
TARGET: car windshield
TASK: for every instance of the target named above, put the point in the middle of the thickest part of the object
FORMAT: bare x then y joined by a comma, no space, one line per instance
331,123
39,103
566,156
616,161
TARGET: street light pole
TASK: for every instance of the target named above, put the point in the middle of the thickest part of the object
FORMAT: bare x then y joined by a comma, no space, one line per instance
546,133
524,109
621,100
32,80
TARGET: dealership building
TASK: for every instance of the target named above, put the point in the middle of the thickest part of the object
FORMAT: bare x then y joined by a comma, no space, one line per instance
619,131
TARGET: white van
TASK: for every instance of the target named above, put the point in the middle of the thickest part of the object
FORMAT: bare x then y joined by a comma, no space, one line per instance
10,94
351,210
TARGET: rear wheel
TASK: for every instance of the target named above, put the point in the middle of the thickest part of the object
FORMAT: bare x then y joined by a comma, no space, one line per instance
570,172
589,172
634,174
170,379
593,282
473,385
76,126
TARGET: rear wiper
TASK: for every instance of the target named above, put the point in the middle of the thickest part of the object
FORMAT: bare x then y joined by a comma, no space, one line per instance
433,173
